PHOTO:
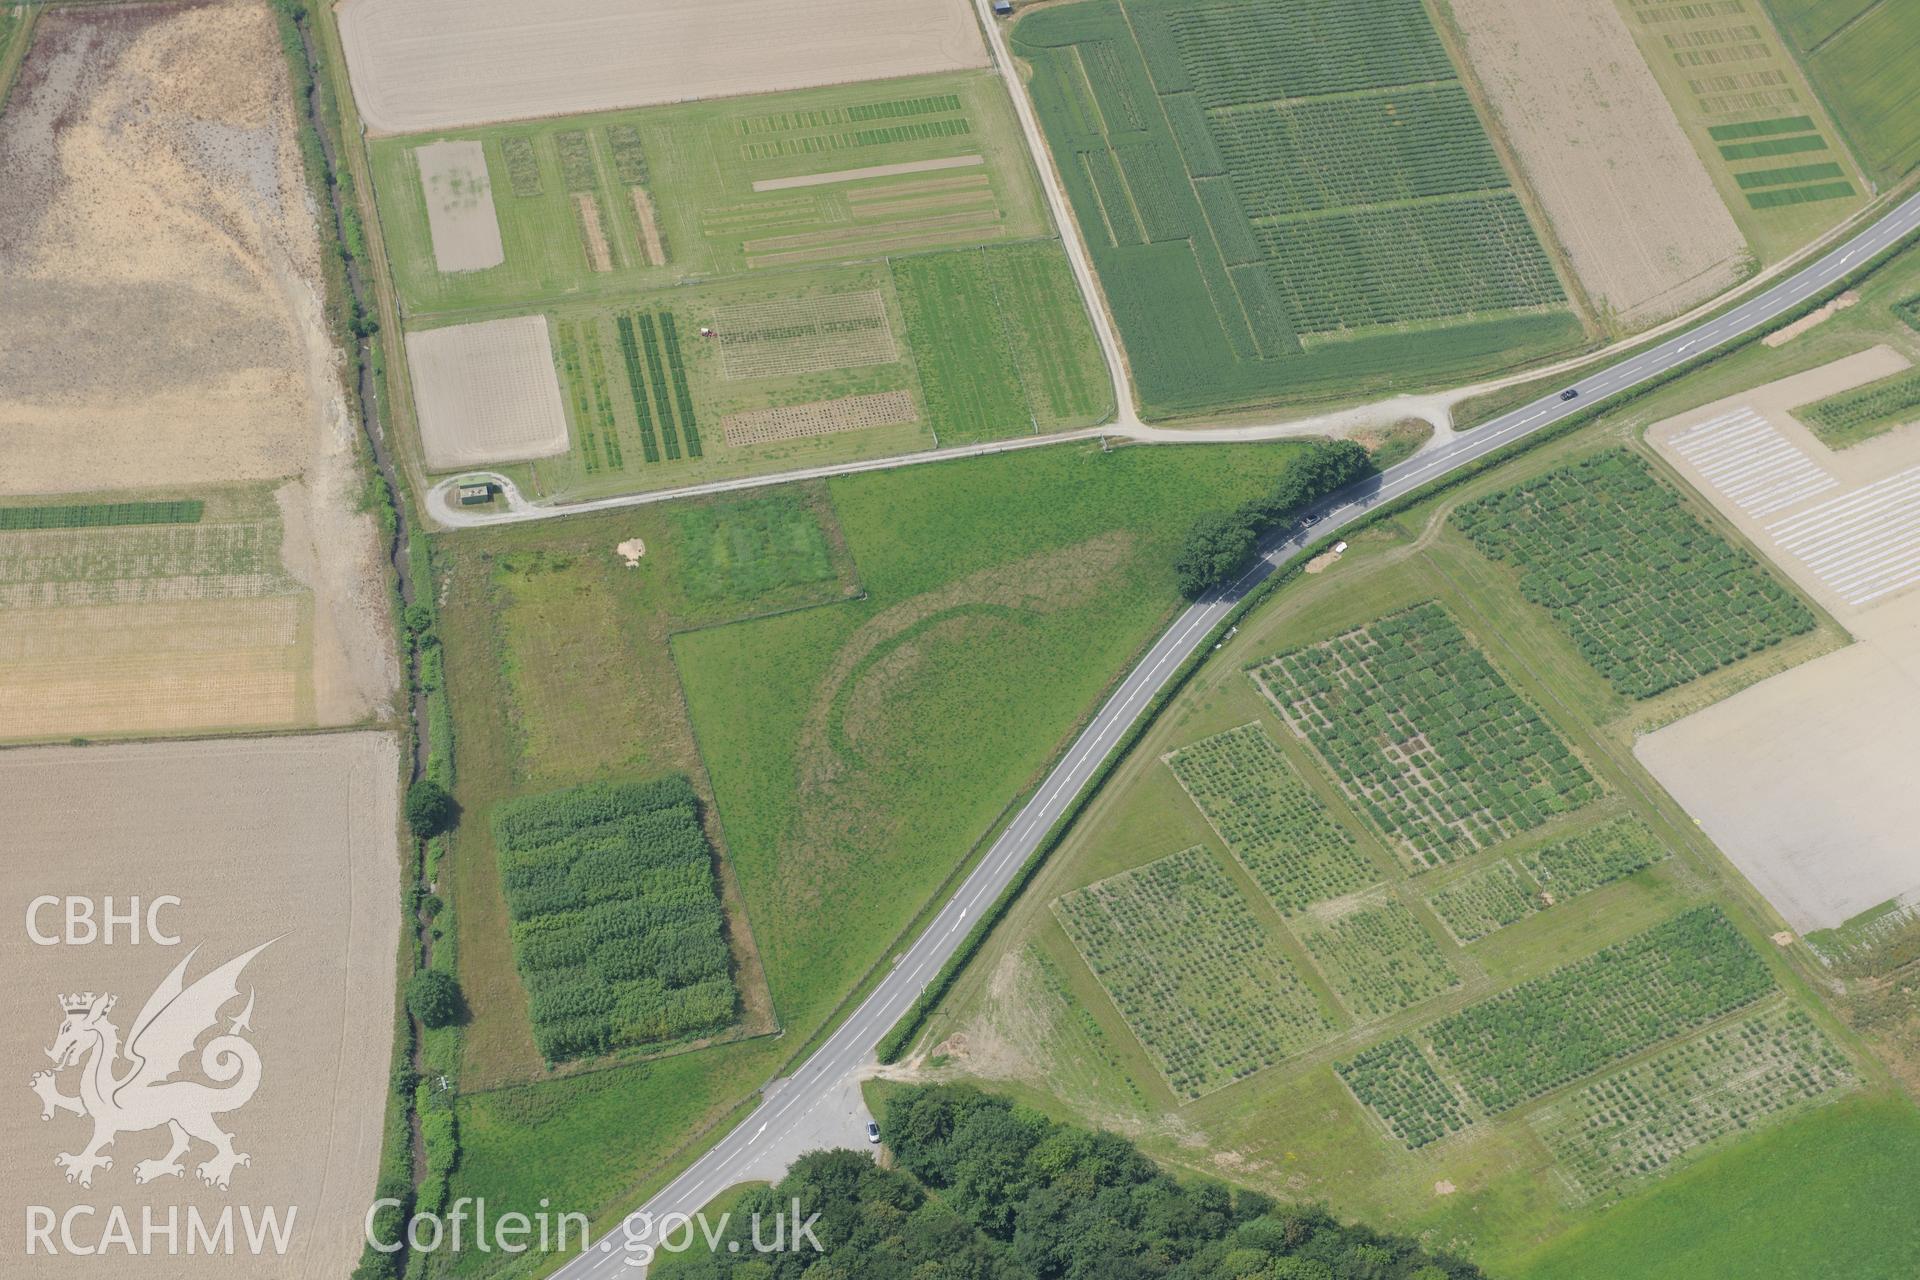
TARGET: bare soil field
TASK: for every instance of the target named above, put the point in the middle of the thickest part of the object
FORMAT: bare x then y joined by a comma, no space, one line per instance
466,234
1806,780
437,64
487,393
288,842
163,327
1647,233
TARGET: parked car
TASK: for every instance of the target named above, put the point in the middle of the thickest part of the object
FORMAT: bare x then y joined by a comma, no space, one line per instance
873,1132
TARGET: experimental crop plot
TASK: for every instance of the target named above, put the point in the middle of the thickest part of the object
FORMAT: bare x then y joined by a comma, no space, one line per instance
1641,1121
805,335
1483,901
617,927
1580,1018
1377,958
1206,992
1593,858
818,418
1274,826
1398,1084
1271,191
1650,595
487,392
1431,743
466,234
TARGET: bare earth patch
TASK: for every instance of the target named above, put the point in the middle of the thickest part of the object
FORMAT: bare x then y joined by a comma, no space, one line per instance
285,841
487,393
1806,780
650,240
1788,332
435,64
1647,232
871,171
162,330
592,235
460,216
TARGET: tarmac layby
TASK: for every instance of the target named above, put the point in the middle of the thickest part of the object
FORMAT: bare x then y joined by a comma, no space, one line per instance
789,1120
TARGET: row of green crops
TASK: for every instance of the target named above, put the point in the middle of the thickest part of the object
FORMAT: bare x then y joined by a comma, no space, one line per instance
1395,1081
1650,595
1434,746
617,927
1379,959
1497,895
1274,826
1640,1120
97,514
1200,984
1856,415
1541,1034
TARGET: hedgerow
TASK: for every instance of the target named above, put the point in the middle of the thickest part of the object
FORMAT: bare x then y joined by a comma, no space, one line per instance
1649,594
617,924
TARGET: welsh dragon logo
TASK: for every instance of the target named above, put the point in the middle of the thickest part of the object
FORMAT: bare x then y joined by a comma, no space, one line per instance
143,1093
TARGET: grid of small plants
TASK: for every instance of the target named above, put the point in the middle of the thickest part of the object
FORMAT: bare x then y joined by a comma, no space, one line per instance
1637,1122
1594,857
1273,825
1378,959
1650,595
1515,1046
1512,1047
1199,983
1396,1081
1483,901
1494,896
1432,744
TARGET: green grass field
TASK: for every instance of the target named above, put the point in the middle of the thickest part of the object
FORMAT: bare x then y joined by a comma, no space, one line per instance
1861,55
1272,227
1826,1197
859,752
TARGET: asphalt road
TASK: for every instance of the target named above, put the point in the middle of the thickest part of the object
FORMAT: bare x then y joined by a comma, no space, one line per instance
786,1122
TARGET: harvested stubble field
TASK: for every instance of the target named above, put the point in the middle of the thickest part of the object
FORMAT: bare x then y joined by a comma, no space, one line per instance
486,392
1285,199
164,338
433,64
291,841
1627,195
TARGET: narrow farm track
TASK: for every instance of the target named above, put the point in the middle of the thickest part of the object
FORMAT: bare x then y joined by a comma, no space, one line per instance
772,1135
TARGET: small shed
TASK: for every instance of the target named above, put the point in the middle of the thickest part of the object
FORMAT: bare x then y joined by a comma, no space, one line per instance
474,494
1003,7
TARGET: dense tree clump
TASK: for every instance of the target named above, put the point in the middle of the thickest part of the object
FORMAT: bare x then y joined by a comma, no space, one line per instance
429,808
986,1190
434,998
1220,546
